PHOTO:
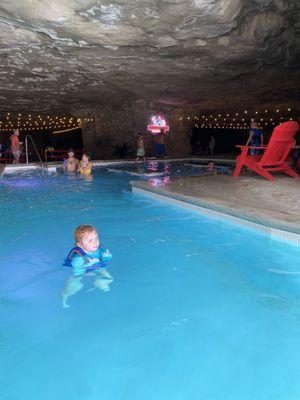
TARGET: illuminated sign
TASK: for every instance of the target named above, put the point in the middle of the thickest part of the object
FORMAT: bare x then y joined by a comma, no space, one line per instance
157,125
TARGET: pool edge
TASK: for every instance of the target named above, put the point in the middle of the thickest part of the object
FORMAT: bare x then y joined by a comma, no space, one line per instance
271,231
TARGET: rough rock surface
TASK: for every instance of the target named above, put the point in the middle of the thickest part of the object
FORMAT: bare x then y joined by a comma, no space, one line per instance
214,54
116,126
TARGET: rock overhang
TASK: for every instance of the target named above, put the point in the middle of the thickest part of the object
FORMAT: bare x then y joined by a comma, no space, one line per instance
212,54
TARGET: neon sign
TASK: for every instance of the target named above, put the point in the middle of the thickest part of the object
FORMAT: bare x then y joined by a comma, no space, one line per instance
157,125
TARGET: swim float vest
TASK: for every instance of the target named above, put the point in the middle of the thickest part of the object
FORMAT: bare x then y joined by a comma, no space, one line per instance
105,258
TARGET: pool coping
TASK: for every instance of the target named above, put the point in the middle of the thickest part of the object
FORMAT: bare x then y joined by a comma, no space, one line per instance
277,230
51,166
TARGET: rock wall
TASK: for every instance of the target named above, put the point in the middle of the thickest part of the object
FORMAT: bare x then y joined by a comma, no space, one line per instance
215,54
103,128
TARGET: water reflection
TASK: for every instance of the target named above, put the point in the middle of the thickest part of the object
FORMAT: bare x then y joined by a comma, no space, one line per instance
155,182
152,166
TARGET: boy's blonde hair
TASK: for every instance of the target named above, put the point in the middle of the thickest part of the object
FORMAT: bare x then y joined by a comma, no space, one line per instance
81,230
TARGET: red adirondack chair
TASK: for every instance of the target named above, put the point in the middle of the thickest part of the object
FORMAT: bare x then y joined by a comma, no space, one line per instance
274,154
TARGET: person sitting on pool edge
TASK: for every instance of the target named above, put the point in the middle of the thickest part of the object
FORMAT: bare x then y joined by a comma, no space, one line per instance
212,169
71,163
88,257
85,165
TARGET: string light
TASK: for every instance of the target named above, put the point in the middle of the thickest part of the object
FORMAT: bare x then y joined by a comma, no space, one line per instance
235,120
38,122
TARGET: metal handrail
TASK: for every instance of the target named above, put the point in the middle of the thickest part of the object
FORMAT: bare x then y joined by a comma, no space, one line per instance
36,150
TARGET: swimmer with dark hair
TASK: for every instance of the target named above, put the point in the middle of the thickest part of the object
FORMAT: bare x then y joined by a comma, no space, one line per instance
85,165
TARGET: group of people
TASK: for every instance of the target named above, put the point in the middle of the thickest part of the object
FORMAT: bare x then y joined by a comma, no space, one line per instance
84,166
159,148
88,257
204,150
72,164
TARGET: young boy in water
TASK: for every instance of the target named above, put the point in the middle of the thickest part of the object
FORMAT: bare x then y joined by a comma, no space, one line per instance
71,163
88,257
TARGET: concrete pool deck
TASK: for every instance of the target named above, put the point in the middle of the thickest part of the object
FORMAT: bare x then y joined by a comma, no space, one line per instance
271,207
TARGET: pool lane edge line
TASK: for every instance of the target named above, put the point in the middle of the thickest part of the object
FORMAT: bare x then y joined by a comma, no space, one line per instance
273,233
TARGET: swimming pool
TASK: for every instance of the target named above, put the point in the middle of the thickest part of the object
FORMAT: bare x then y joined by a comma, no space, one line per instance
153,168
199,309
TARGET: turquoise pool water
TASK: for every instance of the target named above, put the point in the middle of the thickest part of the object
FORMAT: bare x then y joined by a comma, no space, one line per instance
154,168
199,309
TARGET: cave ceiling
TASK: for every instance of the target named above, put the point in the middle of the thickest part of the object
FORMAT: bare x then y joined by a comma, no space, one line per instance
209,54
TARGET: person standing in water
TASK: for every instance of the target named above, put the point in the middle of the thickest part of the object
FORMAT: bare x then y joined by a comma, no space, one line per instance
71,163
85,165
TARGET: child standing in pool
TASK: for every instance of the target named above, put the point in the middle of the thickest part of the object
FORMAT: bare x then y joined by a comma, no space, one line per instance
88,257
85,165
71,163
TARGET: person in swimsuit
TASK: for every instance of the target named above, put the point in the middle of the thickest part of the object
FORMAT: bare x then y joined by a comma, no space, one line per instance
15,146
87,258
140,148
255,138
85,165
71,163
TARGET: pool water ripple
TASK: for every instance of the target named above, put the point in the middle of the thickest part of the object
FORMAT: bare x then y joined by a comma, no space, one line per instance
199,308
